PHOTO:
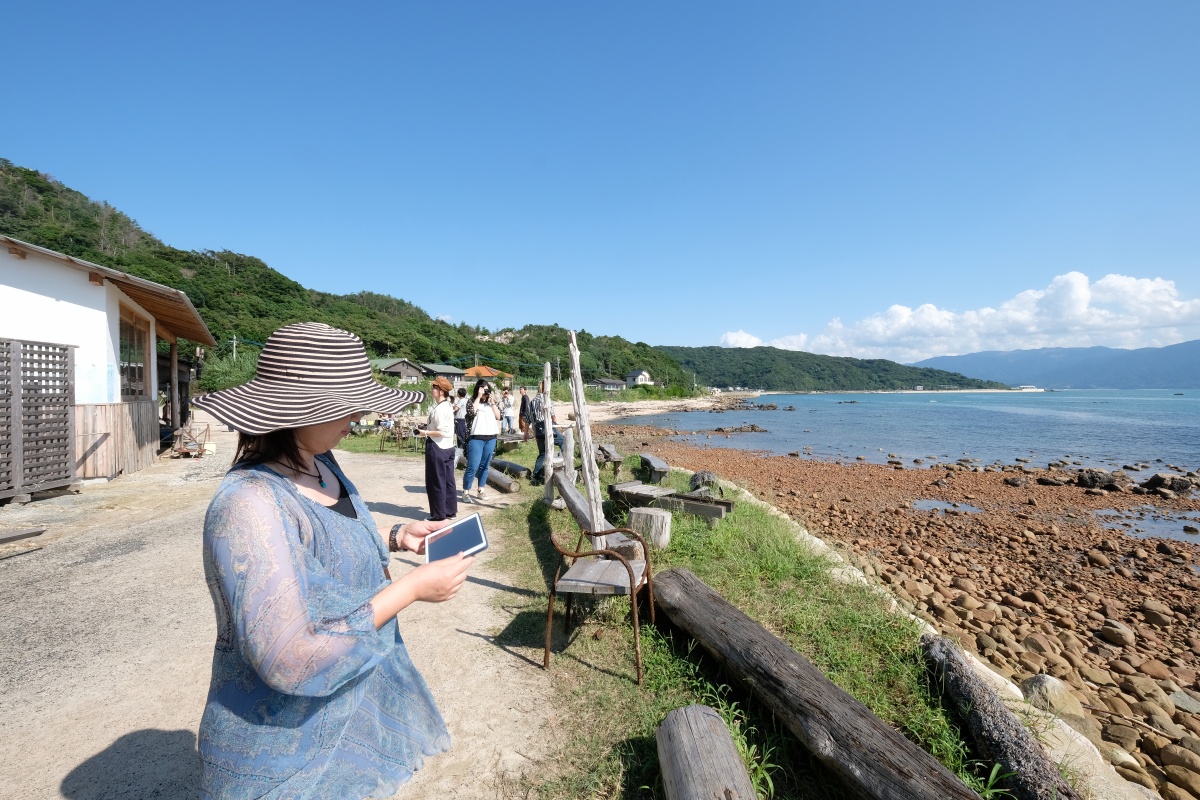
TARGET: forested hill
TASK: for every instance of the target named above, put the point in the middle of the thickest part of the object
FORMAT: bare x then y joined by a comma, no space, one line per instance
239,294
773,369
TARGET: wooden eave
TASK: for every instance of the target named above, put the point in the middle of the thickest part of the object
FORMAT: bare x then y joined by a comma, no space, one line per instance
171,308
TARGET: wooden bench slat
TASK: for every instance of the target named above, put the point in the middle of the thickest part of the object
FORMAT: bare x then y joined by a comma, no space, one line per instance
594,576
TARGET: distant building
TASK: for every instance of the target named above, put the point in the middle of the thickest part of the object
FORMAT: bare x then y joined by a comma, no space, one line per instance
79,340
490,374
452,374
638,377
607,384
407,371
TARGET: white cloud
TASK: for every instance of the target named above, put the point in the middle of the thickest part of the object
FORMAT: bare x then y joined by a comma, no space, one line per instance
445,318
1072,311
739,339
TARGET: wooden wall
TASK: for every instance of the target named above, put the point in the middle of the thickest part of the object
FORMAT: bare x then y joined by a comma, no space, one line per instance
115,438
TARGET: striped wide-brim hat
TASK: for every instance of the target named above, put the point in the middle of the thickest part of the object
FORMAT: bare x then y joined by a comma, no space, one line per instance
308,373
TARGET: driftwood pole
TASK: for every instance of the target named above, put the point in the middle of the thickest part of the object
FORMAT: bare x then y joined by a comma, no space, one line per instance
547,438
568,453
871,758
591,472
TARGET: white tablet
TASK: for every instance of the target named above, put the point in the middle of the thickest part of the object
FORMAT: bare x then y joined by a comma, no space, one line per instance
464,536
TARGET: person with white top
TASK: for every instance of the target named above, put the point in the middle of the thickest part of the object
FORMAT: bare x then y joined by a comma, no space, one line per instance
483,417
508,413
439,453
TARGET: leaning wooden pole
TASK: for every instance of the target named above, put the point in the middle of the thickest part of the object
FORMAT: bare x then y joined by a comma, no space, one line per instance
547,438
872,759
591,473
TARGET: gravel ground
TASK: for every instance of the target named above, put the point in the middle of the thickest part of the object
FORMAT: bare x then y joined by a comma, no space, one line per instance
107,631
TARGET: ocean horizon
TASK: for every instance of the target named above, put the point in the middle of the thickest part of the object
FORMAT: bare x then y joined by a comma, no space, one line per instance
1111,429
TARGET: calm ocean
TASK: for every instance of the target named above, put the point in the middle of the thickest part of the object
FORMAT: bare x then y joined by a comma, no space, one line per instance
1096,428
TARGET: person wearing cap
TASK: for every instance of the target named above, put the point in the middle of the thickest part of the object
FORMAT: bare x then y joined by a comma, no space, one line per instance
440,453
312,693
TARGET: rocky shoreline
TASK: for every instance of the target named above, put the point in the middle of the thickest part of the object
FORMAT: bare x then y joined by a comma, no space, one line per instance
1012,562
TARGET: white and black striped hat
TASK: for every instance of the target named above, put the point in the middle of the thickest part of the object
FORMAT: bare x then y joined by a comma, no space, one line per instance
308,373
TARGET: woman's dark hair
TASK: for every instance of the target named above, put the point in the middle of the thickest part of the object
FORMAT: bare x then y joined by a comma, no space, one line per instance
280,445
481,384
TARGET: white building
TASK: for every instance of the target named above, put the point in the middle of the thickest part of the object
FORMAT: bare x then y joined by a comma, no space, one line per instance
638,377
86,335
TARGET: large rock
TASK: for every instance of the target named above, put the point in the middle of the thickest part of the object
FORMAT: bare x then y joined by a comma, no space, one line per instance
1123,736
1174,755
1184,779
1172,483
1051,694
1114,632
1096,479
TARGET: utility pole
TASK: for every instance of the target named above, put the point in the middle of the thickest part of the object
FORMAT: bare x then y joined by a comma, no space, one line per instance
477,359
235,347
558,368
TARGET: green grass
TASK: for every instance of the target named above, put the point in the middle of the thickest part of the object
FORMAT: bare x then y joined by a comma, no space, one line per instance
369,443
755,561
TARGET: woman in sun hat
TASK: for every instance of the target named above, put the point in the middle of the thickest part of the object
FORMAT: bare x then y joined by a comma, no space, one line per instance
312,693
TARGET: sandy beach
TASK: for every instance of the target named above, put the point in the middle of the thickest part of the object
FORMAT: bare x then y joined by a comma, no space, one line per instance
1019,571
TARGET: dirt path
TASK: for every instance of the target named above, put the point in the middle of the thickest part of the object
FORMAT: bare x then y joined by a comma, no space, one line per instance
106,640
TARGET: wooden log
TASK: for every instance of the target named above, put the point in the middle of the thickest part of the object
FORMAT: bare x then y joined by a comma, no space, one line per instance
27,533
568,453
870,758
496,478
996,731
510,468
654,524
578,505
591,473
698,758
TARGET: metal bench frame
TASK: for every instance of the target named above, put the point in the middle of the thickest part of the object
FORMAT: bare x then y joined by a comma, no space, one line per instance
634,584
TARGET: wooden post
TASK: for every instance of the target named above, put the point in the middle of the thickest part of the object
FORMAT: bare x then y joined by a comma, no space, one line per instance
654,524
591,473
568,453
872,759
548,439
175,413
699,759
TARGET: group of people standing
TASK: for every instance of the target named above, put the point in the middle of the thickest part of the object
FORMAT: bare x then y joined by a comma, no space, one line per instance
471,426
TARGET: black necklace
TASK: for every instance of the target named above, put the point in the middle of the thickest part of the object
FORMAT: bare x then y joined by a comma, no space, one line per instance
316,475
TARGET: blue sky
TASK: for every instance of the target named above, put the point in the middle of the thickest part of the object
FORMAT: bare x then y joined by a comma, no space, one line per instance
874,178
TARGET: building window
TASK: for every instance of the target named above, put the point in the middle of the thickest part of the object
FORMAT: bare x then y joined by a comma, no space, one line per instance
135,349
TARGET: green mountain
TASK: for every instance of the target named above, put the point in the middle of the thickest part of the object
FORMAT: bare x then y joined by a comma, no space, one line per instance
773,369
240,295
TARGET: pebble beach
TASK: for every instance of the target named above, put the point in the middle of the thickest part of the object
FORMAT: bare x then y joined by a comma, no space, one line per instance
1014,562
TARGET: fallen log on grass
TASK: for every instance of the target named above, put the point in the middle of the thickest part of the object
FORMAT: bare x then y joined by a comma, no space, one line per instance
996,731
872,759
510,468
496,479
698,758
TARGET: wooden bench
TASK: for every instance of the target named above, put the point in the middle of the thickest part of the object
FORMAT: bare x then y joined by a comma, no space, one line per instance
637,494
654,469
607,454
601,572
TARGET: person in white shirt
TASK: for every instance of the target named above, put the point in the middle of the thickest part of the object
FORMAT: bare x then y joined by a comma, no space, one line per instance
439,453
508,413
483,417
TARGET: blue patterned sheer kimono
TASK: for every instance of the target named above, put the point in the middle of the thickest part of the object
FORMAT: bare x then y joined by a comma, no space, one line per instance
307,699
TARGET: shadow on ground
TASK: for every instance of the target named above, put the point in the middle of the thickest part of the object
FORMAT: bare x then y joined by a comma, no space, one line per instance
144,764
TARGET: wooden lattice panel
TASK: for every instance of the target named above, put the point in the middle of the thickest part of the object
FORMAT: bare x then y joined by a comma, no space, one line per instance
7,479
47,398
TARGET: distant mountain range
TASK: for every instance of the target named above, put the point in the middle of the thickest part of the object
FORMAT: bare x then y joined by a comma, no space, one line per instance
1176,366
778,370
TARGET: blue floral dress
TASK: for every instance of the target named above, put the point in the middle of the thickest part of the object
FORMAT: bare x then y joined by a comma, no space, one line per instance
307,699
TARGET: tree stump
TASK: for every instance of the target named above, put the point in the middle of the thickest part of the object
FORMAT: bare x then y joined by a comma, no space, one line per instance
698,757
654,524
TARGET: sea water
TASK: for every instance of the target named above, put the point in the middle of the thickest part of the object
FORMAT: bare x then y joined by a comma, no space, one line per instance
1101,428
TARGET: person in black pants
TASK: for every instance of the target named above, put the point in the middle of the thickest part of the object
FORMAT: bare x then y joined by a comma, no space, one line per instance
439,454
